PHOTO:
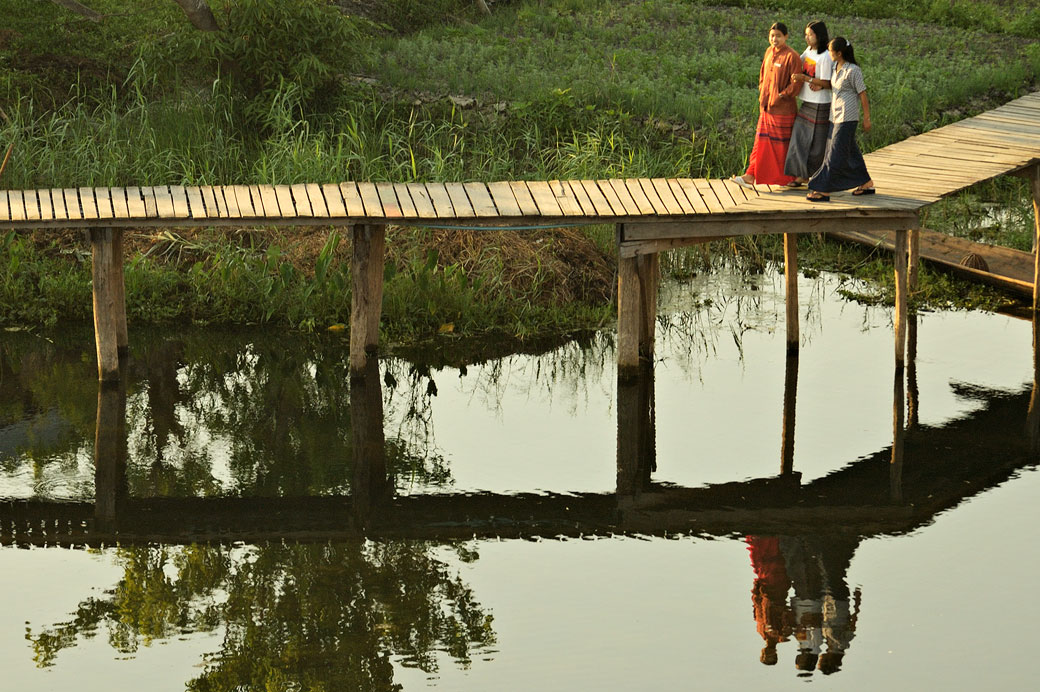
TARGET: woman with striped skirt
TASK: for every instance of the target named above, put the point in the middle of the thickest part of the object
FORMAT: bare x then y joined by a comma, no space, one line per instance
777,109
809,134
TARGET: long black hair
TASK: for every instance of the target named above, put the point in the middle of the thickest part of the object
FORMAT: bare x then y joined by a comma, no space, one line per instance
840,44
822,39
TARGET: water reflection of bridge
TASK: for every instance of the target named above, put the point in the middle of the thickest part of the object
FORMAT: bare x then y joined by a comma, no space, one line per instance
895,490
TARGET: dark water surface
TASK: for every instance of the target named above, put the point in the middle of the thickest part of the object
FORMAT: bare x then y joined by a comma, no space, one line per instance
238,515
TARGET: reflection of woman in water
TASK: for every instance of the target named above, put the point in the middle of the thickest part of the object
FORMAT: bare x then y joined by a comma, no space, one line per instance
769,594
819,613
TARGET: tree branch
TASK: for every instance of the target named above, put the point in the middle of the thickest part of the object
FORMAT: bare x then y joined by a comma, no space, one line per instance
80,9
199,14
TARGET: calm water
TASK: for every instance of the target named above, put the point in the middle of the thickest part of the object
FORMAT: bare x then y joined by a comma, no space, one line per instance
470,524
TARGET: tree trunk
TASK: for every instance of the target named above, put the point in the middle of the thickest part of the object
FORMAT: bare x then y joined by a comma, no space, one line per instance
199,14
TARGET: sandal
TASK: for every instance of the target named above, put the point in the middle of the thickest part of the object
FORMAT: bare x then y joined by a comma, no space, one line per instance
739,180
794,183
817,197
860,191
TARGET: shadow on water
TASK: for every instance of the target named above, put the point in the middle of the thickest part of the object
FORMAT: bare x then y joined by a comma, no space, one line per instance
288,527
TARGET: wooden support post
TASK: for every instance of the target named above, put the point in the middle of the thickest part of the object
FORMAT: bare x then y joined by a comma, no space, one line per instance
110,454
914,260
649,269
790,403
366,268
791,282
1034,181
895,470
630,316
109,301
369,486
636,441
119,298
1033,414
912,392
900,308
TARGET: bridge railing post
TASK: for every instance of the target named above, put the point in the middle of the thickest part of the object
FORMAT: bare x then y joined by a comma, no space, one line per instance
366,267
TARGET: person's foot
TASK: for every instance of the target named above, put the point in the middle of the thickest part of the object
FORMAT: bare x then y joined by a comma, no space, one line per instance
815,196
864,189
743,181
797,182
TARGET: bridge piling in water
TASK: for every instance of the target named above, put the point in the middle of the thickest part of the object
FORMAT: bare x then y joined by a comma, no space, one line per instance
366,269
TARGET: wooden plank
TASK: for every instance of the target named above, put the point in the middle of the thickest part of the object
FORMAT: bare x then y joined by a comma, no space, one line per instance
239,200
220,205
164,202
565,198
620,191
723,193
421,199
230,198
46,206
352,199
741,194
388,200
268,199
209,199
404,198
656,202
117,201
334,200
180,202
505,200
524,198
459,200
87,203
578,192
16,201
544,198
5,206
301,201
195,205
370,199
441,200
135,203
317,200
680,196
638,196
480,200
58,203
598,199
104,203
286,208
721,225
664,191
32,205
711,199
693,195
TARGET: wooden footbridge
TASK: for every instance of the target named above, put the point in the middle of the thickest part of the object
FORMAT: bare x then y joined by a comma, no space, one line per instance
651,216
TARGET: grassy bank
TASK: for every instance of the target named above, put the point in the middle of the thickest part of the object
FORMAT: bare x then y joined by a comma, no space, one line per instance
539,90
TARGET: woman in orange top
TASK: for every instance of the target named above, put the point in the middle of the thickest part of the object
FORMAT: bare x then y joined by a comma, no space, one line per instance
778,109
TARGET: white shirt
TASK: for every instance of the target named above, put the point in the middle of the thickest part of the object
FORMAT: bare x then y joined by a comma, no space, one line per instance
820,66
